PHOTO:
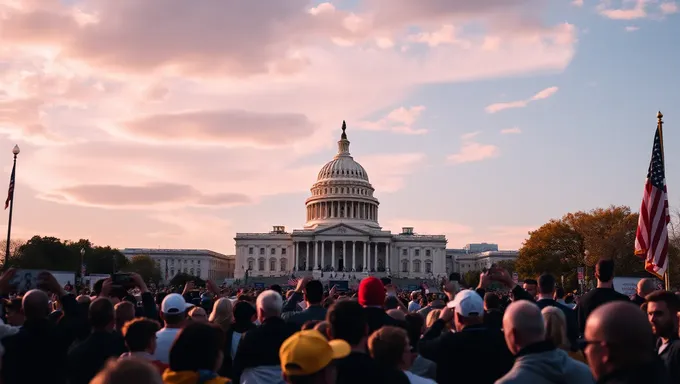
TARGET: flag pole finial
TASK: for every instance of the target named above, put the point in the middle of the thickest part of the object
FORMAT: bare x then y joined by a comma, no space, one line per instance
659,116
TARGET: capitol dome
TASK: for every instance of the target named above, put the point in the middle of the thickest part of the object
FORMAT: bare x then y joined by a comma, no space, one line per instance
342,192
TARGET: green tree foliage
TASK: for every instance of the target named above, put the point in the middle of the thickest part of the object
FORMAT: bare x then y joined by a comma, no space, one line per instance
559,246
54,254
508,265
471,278
181,278
145,267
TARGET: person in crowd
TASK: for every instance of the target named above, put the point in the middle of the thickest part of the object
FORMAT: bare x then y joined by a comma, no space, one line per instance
662,312
244,317
569,301
392,303
531,286
604,293
307,357
644,287
323,328
312,292
140,339
310,324
493,315
38,340
545,298
462,356
15,316
128,371
123,312
619,346
556,332
348,322
372,298
88,357
198,314
432,317
413,305
537,360
196,355
389,347
437,304
415,326
173,314
559,297
257,358
222,314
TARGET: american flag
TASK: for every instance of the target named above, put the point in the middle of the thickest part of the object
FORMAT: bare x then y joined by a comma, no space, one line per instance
292,282
10,190
651,238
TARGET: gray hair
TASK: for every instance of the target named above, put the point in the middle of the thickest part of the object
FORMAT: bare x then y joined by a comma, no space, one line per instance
525,318
270,303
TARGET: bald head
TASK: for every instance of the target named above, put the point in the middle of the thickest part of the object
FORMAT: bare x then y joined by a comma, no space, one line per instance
619,336
397,314
36,304
523,325
645,287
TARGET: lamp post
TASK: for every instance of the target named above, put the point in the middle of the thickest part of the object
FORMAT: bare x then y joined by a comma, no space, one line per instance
10,200
82,266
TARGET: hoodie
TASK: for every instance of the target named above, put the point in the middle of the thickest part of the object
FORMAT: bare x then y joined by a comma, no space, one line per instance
542,363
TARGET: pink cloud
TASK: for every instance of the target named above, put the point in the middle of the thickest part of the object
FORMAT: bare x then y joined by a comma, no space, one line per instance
541,95
143,196
637,11
228,128
668,8
511,131
398,120
472,151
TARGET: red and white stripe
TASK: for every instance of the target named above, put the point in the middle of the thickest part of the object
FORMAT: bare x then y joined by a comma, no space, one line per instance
651,237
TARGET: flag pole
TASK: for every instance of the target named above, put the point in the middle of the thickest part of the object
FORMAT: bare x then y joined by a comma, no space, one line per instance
15,151
659,119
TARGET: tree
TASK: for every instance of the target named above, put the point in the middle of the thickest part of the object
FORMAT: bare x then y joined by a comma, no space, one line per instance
145,267
508,265
559,246
182,278
45,253
14,245
471,278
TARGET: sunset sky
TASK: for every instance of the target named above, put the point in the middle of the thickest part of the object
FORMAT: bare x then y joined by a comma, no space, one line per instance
176,124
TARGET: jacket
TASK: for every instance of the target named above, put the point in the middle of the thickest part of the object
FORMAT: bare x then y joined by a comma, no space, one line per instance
542,363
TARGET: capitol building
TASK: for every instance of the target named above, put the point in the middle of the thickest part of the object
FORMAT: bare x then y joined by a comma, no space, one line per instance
342,234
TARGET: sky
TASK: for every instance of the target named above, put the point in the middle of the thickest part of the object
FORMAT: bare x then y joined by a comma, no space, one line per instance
177,124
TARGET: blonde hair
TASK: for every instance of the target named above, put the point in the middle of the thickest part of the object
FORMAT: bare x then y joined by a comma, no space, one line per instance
432,317
555,327
222,313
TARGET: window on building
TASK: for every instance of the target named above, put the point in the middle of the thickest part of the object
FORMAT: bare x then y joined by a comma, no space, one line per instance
404,266
428,267
417,252
283,251
251,250
191,271
416,266
250,264
261,251
404,252
428,253
284,265
272,251
272,265
198,261
172,272
260,263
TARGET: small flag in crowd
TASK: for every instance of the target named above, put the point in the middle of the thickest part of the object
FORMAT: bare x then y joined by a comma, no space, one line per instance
292,282
10,190
651,237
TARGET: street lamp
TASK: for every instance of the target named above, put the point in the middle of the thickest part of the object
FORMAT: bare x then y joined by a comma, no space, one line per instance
10,201
82,265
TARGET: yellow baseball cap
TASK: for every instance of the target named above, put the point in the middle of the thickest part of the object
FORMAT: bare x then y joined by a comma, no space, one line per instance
308,352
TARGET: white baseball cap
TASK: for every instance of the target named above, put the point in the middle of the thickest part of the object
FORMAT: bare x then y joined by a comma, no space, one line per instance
174,303
468,303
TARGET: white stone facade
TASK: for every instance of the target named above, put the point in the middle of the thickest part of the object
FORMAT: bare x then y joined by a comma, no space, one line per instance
342,234
207,265
475,257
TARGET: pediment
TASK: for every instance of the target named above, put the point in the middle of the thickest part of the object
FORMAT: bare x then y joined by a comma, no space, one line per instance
342,230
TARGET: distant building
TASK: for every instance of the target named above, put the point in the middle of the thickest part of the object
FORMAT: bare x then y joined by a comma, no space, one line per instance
475,257
342,234
207,265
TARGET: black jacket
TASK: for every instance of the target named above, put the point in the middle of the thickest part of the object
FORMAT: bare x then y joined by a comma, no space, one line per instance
475,355
593,299
314,312
86,359
650,373
260,346
359,368
377,318
670,355
228,360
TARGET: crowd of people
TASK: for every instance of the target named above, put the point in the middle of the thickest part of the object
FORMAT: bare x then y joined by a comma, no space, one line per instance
522,334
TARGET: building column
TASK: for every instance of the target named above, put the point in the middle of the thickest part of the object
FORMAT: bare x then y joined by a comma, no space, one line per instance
375,253
323,254
387,257
410,260
344,255
354,256
316,254
363,266
295,260
333,254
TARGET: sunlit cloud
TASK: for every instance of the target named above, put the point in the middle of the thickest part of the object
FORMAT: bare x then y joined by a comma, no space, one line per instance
541,95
